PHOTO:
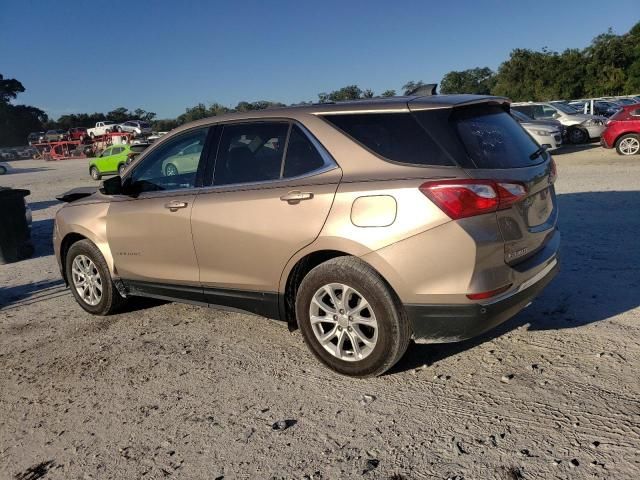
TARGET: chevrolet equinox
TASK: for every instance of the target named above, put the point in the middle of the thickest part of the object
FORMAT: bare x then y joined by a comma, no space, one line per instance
366,224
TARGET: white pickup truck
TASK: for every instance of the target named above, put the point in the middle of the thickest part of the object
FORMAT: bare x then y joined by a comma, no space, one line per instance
101,128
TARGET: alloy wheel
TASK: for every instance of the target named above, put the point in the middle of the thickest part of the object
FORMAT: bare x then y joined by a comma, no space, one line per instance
87,280
629,146
171,170
343,322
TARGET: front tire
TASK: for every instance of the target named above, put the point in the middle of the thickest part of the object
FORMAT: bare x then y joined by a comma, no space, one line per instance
95,173
578,135
628,144
90,280
350,318
3,170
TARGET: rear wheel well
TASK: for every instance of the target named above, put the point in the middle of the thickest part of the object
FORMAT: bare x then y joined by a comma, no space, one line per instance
615,143
67,241
297,273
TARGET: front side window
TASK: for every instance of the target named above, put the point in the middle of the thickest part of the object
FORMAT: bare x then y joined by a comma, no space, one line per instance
106,153
250,152
171,166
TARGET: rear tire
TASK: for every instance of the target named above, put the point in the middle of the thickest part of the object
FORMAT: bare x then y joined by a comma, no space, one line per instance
95,173
628,144
380,331
90,280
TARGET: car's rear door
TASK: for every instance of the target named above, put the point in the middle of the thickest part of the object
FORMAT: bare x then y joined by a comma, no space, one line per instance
270,194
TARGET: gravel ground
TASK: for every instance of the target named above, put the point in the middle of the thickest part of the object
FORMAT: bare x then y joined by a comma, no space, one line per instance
170,390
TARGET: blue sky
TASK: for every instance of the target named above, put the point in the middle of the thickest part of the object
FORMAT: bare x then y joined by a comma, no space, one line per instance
166,55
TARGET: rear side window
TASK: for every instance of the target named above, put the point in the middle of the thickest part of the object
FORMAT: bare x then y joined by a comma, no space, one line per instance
493,139
302,157
395,136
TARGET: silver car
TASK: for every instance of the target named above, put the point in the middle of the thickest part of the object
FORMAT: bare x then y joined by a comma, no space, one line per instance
137,127
581,127
548,133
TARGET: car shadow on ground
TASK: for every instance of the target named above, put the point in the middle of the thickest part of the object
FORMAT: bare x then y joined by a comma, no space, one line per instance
570,148
21,295
17,171
42,237
599,273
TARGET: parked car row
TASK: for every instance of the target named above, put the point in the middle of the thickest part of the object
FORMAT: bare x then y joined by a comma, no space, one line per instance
17,153
137,127
580,127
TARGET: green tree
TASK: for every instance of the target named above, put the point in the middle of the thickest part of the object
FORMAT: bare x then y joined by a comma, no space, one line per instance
411,85
388,93
350,92
17,121
9,89
478,81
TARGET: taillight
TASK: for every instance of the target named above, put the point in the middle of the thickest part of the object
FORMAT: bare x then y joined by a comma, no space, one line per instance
469,197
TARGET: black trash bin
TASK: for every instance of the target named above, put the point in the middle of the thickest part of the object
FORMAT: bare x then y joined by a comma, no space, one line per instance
15,231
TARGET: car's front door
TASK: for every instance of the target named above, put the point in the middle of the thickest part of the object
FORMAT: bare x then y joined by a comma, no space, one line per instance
149,231
272,190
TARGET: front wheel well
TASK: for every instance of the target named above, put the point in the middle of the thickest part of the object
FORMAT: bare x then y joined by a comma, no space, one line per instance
67,241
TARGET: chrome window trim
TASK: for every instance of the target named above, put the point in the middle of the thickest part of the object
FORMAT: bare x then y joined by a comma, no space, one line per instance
327,158
145,153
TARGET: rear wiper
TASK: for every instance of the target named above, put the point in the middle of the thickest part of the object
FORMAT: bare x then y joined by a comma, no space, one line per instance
538,152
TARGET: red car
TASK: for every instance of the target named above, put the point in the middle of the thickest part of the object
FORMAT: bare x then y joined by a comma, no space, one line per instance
623,131
77,133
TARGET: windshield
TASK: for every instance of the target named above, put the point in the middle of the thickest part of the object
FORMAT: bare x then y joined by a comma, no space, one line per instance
565,108
521,116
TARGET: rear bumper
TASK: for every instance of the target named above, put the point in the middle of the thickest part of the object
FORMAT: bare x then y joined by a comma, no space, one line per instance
454,323
604,143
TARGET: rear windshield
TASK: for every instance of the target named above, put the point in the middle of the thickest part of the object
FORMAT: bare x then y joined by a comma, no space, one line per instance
493,139
395,136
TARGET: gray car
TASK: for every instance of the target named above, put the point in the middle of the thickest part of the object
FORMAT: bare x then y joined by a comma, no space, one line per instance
580,127
547,133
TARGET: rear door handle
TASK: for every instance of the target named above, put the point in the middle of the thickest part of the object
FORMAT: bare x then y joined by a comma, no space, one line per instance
174,205
295,196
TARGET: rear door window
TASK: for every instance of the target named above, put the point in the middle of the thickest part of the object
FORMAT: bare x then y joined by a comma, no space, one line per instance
493,139
250,152
397,137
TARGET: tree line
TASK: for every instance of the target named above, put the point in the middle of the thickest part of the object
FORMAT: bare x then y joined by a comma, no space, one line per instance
609,65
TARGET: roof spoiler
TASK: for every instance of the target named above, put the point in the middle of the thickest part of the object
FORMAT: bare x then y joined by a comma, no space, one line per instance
424,90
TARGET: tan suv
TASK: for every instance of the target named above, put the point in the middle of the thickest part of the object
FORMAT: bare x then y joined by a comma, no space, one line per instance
366,224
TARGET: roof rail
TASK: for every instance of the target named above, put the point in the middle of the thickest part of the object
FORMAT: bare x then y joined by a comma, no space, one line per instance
424,90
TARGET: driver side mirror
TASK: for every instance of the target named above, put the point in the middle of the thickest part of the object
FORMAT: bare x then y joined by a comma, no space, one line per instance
112,186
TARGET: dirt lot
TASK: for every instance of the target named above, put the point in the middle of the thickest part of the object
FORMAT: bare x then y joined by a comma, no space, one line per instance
171,390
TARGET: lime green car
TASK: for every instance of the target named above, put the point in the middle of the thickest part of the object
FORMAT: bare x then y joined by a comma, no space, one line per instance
112,161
